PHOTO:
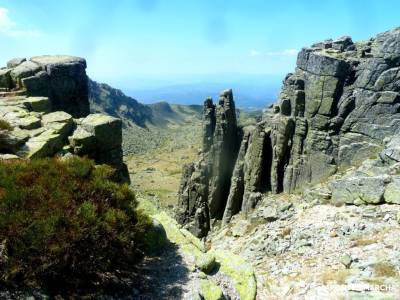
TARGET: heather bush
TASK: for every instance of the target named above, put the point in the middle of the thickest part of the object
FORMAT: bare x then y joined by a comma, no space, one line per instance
64,223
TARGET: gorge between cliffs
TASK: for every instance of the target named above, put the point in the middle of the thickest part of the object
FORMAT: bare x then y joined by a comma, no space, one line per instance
165,201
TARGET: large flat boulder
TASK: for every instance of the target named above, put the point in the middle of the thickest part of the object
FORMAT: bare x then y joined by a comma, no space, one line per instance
15,62
26,69
106,129
37,104
61,78
59,121
11,141
52,60
359,189
46,144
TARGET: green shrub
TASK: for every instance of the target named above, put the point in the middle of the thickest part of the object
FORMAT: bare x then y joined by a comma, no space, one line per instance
64,223
4,125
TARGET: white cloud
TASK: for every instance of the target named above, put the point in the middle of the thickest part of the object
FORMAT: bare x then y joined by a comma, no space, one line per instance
10,28
254,53
286,52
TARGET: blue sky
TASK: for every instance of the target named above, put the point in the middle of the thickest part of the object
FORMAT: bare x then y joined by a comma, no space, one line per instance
154,42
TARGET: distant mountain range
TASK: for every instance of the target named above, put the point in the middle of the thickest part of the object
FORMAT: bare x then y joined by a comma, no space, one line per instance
147,126
106,99
252,93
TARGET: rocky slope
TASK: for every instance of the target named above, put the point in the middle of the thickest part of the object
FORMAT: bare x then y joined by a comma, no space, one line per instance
105,99
336,110
45,102
311,250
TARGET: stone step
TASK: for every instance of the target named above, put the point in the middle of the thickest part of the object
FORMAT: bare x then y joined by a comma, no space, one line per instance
35,104
4,94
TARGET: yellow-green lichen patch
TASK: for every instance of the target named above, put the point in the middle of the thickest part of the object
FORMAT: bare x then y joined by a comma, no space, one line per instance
241,273
210,291
189,244
206,263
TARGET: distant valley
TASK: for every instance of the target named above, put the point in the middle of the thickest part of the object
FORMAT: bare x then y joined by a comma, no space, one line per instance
147,127
250,93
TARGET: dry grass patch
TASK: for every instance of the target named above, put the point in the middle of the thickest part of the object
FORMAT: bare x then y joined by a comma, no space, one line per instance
166,168
337,276
385,269
361,241
286,231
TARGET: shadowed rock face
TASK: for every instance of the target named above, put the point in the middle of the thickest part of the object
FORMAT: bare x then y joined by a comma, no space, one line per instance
333,112
60,78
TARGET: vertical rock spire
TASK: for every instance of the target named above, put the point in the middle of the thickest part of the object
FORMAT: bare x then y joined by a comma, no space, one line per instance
205,185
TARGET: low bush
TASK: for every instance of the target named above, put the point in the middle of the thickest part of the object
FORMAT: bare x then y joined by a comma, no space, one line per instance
65,223
4,125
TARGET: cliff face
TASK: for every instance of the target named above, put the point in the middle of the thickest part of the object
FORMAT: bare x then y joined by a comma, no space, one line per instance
333,112
45,102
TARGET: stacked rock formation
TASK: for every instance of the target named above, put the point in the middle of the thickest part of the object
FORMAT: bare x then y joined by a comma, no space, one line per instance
205,184
44,104
333,112
60,78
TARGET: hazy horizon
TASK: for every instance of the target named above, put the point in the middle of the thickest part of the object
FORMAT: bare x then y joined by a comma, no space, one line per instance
146,45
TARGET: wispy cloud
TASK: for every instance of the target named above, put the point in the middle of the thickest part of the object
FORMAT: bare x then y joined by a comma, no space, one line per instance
285,52
9,28
254,53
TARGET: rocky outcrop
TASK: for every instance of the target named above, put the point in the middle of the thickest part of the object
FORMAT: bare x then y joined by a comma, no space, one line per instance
100,138
62,79
43,100
333,112
205,185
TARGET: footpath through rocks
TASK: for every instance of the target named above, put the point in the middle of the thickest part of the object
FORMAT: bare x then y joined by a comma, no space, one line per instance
182,267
